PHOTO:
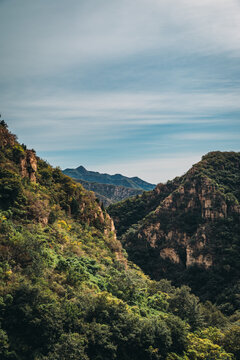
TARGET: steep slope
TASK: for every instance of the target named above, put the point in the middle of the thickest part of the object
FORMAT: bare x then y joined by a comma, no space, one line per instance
108,193
191,234
67,290
82,174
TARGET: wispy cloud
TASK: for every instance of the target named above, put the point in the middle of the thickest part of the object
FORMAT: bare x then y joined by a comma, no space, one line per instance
59,122
224,136
121,82
43,37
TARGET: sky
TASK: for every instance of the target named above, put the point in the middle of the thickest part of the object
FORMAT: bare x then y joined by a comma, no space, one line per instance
138,87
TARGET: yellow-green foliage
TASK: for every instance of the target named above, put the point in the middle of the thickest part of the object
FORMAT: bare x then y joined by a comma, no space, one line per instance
203,348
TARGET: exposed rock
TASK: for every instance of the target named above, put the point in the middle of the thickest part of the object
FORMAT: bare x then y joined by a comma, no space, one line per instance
108,193
6,138
28,165
190,233
167,202
199,198
200,260
114,243
110,227
170,253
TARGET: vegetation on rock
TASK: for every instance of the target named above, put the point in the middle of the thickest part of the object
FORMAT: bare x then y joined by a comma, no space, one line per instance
188,230
109,194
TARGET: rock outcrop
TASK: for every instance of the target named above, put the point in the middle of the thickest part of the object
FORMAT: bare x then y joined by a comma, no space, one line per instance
6,138
28,165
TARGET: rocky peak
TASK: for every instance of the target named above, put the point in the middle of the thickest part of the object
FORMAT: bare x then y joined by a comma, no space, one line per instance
81,169
6,138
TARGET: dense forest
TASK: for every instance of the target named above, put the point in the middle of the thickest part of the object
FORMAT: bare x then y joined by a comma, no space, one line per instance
68,289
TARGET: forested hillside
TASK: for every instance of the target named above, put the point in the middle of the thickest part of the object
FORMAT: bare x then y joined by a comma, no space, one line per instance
67,290
188,230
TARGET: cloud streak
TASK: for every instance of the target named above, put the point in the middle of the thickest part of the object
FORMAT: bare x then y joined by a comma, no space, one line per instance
121,82
43,37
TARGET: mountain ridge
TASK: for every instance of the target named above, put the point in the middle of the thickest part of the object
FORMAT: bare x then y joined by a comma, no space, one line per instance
117,179
187,228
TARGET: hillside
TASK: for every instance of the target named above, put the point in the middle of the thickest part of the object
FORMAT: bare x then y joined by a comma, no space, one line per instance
81,173
67,290
109,194
188,230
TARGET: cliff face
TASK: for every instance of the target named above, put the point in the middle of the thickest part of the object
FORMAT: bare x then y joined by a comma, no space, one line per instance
6,138
192,228
129,212
108,193
28,165
180,218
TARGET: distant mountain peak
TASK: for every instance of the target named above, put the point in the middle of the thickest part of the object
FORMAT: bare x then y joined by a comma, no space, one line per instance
80,173
80,168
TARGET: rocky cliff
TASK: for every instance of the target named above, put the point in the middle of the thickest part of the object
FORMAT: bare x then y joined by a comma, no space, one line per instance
28,165
190,233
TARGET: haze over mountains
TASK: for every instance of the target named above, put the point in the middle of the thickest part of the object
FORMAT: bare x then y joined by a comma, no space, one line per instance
109,188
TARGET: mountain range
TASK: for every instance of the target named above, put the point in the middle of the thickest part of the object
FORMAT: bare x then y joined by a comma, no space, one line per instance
117,179
109,188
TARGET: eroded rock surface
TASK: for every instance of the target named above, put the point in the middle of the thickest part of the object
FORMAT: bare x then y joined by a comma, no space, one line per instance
28,165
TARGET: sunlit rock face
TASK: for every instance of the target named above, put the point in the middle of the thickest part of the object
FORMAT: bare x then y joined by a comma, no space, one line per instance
28,165
178,242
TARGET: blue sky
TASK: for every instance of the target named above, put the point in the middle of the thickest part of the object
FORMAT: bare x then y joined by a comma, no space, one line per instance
138,87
